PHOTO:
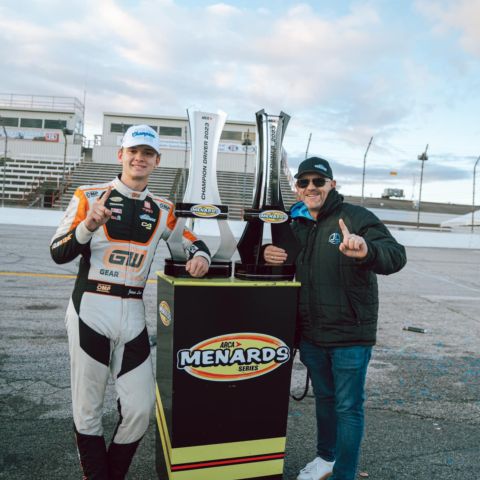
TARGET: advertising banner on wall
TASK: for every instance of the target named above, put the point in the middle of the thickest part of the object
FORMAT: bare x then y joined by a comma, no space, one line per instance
35,135
222,147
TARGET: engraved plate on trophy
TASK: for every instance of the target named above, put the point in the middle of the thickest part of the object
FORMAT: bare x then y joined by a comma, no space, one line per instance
201,199
267,207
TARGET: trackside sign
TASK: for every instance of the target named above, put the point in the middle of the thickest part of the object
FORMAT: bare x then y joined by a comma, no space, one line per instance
233,357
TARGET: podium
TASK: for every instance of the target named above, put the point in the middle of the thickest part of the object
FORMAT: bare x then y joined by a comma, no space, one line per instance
224,359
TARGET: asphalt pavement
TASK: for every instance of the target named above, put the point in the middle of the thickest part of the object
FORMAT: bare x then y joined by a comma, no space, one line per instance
423,403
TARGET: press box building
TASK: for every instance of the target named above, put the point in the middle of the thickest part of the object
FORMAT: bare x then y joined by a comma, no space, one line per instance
34,131
236,151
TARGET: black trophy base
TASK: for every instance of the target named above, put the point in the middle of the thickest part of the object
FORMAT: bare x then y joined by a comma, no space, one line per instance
219,270
176,268
251,271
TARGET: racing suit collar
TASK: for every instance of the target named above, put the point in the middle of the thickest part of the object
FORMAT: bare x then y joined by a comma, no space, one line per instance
128,192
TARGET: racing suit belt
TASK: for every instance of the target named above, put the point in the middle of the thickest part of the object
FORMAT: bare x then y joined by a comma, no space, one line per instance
114,290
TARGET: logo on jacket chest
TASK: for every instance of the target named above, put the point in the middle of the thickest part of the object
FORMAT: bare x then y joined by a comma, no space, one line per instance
334,238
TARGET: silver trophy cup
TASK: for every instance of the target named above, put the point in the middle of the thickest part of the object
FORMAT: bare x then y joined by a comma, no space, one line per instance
201,199
267,207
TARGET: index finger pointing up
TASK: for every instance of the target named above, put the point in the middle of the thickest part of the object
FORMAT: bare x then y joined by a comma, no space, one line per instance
343,228
105,196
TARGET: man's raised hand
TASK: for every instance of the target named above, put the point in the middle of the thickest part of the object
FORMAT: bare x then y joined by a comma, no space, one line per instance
352,245
98,214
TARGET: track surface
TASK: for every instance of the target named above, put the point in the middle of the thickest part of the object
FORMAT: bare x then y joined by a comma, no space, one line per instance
423,406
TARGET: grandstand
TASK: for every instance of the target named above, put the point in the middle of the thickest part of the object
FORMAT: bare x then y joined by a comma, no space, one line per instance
26,179
236,189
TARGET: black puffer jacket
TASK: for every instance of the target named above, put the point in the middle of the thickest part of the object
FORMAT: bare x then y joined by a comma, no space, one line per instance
339,295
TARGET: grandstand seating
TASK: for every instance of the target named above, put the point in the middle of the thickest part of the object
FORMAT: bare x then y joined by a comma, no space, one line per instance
25,175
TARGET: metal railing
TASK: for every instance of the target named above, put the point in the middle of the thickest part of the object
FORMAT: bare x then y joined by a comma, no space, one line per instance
44,102
74,160
287,172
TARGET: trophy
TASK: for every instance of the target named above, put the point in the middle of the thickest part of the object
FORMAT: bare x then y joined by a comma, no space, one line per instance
201,199
267,207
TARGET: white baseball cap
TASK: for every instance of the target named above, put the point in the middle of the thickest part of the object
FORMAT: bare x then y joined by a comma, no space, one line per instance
141,135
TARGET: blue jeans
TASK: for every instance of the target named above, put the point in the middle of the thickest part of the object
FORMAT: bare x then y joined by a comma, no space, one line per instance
338,379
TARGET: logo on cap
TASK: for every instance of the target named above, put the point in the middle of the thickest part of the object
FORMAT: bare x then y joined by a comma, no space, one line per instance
321,167
143,134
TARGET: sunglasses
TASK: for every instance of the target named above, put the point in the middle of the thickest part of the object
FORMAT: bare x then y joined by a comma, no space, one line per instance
317,181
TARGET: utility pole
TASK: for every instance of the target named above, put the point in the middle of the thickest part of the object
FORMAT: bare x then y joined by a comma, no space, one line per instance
308,145
4,162
364,164
183,181
423,158
473,199
65,132
246,143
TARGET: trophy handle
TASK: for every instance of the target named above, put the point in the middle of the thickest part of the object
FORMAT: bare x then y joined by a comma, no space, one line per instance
175,240
250,244
283,237
228,244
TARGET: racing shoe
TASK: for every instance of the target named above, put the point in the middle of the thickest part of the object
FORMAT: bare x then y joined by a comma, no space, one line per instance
119,458
317,469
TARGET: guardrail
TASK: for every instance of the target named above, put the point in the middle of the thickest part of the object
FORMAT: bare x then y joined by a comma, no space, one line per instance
41,102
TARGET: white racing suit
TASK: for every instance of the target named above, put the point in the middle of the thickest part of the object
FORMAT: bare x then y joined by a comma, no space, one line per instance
106,317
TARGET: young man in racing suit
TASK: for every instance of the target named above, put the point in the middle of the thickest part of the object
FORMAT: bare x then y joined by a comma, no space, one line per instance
115,227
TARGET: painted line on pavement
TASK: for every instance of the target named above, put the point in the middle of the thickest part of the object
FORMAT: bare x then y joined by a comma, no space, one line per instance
48,275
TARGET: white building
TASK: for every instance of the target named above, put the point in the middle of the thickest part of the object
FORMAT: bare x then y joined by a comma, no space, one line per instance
234,153
35,126
40,142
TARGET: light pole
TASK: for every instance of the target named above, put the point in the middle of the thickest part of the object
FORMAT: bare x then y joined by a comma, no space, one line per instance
308,145
246,143
364,164
4,163
473,199
65,132
423,158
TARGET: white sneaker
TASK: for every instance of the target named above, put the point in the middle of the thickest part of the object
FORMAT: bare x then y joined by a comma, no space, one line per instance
318,469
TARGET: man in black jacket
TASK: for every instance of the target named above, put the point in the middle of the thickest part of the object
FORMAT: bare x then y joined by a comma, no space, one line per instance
343,248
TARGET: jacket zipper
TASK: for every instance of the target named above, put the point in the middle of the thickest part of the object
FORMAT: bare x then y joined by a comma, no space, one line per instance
310,244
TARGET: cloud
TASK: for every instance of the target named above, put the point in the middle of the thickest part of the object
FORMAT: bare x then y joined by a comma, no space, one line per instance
458,15
345,73
223,9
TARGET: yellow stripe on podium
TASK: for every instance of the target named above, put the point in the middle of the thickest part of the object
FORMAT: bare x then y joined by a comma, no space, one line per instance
233,472
220,461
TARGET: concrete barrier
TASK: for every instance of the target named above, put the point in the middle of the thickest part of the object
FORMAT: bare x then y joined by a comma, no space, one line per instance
407,237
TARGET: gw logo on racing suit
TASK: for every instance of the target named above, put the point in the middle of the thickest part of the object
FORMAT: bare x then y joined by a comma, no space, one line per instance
129,259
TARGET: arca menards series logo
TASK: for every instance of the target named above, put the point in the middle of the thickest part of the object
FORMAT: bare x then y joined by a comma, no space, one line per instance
232,357
205,211
273,216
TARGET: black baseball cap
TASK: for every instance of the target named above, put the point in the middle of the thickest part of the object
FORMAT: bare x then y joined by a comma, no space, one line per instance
315,165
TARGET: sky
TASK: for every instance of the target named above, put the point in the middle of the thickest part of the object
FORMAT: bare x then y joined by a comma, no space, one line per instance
405,72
